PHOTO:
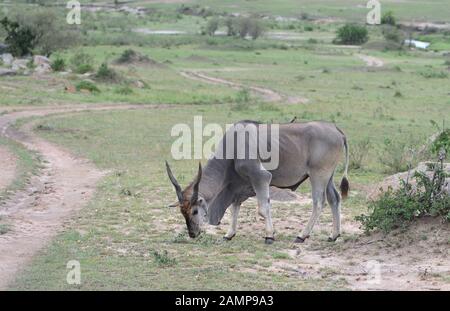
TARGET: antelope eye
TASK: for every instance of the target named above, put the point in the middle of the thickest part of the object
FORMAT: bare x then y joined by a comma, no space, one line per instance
195,212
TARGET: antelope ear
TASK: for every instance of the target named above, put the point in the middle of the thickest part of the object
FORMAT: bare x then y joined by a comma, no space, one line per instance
194,197
174,204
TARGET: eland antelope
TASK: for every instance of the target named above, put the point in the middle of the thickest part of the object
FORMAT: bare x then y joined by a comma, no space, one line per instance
305,150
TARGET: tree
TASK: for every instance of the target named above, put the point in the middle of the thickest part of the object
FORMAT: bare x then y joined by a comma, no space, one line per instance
393,34
212,26
352,34
388,18
21,39
256,29
38,32
231,26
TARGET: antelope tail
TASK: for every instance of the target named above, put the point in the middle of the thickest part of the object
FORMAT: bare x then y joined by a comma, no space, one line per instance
345,185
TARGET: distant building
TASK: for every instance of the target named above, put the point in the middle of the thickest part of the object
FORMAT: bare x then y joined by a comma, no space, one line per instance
417,44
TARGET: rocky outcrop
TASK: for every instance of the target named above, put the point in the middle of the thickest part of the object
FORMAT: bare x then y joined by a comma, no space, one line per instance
393,181
7,59
7,72
14,66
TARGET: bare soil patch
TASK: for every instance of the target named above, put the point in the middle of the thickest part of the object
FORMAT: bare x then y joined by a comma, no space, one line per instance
416,259
371,61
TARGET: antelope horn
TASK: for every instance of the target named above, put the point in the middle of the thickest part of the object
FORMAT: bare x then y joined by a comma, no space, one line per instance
194,197
174,183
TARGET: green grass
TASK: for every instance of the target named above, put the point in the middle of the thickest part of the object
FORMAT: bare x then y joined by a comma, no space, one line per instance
27,164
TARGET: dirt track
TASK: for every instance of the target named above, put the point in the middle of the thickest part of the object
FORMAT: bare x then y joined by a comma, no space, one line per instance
63,186
267,94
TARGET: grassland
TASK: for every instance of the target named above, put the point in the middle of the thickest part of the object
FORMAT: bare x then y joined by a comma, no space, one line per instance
127,238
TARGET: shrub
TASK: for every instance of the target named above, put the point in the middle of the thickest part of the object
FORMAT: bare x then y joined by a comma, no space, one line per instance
431,74
396,209
130,56
352,34
58,64
395,155
442,142
393,34
124,90
88,86
212,25
388,18
242,100
106,74
358,153
82,63
163,258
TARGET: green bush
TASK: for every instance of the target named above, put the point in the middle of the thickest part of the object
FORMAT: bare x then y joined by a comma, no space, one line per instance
393,34
352,34
88,86
442,142
431,74
106,74
82,62
58,64
124,90
388,18
397,209
129,56
163,258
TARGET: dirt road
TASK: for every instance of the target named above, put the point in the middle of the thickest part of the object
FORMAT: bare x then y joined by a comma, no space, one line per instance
63,186
267,94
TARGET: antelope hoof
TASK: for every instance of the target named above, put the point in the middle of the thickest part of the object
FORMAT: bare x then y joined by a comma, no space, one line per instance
228,238
300,239
269,240
331,239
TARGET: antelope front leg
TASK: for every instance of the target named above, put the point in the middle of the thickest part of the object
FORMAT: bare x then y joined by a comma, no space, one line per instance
233,226
265,210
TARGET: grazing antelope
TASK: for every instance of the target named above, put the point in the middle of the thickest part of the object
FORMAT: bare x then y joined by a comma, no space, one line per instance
306,150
